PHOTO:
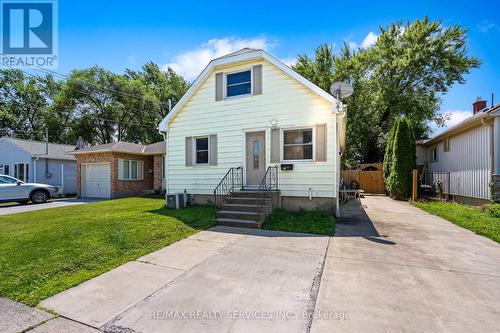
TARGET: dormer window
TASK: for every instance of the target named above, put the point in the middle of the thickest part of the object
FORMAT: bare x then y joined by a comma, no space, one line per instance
239,83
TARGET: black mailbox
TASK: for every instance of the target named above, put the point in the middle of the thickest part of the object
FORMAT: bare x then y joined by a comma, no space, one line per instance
286,167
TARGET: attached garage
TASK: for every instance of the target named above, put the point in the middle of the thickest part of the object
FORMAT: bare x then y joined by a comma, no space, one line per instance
96,180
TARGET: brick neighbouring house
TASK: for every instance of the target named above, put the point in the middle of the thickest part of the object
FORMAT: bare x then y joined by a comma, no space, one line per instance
120,169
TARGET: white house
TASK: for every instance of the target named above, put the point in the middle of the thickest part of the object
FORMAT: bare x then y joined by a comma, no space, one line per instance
35,161
253,119
470,153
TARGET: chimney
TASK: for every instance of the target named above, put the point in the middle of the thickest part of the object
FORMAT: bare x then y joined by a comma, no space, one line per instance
478,105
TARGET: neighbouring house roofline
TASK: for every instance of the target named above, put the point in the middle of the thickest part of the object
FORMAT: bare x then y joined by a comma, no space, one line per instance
235,57
157,148
36,149
464,125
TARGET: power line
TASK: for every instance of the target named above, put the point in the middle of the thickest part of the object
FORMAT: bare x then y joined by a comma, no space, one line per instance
123,94
84,92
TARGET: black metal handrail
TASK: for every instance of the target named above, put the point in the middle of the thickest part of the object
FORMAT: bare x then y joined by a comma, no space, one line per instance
233,180
269,183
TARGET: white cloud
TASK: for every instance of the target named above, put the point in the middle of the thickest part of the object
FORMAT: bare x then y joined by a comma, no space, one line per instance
369,40
454,117
486,26
189,64
289,61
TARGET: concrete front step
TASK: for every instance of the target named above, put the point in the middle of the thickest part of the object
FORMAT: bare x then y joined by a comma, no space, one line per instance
235,214
249,194
238,223
246,201
243,207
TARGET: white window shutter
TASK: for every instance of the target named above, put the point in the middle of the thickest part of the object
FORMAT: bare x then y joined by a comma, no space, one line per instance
140,170
120,169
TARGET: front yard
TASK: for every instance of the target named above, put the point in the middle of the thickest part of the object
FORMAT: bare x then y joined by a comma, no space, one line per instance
305,221
47,251
484,221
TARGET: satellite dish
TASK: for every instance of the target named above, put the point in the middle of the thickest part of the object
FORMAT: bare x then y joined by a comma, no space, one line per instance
341,90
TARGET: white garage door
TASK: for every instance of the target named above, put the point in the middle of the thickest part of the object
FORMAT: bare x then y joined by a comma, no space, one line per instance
96,181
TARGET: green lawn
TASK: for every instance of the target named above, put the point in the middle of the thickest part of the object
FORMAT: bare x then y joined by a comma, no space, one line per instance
484,221
47,251
307,221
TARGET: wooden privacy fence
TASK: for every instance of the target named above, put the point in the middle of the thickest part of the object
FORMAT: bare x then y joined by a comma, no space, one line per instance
370,181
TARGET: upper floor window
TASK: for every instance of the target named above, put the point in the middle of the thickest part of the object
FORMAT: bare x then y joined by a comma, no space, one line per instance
239,83
447,144
434,154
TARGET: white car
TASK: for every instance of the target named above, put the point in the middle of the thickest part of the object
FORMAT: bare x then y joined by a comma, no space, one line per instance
12,189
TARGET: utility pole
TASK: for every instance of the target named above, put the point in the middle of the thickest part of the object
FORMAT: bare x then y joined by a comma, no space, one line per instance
46,154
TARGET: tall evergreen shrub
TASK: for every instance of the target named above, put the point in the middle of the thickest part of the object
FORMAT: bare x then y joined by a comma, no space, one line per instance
401,156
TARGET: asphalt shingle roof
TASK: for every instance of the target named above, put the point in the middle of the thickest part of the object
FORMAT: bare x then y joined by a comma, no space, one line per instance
127,147
37,148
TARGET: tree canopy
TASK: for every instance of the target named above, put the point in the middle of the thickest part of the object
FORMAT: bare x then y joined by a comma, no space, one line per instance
410,67
94,103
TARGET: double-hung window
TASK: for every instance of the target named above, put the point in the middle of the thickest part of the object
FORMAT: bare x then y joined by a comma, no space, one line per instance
239,83
201,146
434,154
21,171
298,144
130,170
5,169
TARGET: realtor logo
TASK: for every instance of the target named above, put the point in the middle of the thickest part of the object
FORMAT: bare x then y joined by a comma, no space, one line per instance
29,33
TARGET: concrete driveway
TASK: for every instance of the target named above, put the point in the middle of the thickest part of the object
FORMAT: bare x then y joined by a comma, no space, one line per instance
391,268
18,208
220,280
399,269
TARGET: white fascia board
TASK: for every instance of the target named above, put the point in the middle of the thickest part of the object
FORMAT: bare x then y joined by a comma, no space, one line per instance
163,126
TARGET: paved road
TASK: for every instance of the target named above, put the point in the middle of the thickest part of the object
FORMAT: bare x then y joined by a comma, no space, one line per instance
17,208
400,269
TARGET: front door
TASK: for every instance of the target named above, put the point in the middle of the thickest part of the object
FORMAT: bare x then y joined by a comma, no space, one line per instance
256,157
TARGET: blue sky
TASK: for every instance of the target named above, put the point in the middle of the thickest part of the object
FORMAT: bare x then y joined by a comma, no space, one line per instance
186,34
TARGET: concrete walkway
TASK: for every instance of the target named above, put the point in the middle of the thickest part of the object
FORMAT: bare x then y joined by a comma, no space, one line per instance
220,280
18,208
399,269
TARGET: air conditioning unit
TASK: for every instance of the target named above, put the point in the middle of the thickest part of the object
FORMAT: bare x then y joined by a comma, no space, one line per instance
176,201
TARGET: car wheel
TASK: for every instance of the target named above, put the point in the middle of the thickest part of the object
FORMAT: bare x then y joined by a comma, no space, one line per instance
39,197
23,202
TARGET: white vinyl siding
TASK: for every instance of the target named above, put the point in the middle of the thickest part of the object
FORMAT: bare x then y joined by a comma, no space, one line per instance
468,161
284,100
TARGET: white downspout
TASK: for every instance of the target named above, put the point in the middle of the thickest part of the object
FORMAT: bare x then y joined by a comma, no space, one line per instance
34,169
496,146
62,176
339,116
165,182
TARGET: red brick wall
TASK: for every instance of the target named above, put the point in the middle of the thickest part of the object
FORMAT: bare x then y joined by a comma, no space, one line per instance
119,188
158,176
